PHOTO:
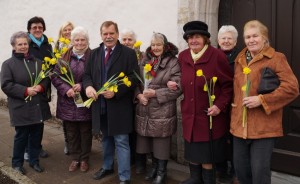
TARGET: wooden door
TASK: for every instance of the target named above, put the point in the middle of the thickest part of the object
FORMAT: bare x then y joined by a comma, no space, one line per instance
282,17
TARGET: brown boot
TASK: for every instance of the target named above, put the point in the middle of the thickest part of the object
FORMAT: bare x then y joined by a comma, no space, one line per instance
73,166
84,166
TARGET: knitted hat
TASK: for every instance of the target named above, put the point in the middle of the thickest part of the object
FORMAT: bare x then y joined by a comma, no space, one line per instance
195,27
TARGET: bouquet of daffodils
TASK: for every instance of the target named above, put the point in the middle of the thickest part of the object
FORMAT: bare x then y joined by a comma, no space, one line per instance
111,85
210,91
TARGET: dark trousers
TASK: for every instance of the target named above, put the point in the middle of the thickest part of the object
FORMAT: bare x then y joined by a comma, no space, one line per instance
41,137
252,160
79,136
31,135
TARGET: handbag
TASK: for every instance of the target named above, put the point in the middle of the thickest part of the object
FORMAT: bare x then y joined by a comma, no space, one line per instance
269,81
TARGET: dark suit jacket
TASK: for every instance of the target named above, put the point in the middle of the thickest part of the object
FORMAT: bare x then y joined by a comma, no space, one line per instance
120,107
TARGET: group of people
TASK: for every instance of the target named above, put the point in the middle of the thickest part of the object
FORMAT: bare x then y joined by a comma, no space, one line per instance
220,90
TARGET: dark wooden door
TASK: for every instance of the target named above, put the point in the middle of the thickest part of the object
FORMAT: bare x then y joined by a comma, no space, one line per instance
282,17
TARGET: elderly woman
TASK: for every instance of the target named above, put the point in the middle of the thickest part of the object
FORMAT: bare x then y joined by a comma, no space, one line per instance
227,39
128,37
64,32
156,111
254,139
76,118
203,145
27,116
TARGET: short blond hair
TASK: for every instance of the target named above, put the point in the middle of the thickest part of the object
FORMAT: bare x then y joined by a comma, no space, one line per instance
261,27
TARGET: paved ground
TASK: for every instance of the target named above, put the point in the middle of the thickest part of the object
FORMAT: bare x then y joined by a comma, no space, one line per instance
56,166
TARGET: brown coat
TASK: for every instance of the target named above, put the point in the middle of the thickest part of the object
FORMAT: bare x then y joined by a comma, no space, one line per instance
266,120
158,118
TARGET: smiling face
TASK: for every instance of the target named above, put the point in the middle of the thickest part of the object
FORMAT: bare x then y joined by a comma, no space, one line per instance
21,45
109,36
254,40
66,32
196,42
226,41
79,42
37,30
157,47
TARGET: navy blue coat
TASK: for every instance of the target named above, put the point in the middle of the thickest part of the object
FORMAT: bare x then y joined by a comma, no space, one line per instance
120,107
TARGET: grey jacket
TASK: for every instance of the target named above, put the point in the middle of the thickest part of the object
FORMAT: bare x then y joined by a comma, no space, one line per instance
158,118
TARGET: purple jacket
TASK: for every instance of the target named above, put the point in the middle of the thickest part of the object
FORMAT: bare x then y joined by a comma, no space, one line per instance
66,108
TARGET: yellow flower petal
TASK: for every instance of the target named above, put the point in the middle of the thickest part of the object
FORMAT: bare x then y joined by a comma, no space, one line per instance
215,79
246,70
115,87
212,97
44,67
147,67
121,75
53,61
106,84
67,41
62,39
244,87
137,44
205,87
58,55
199,73
47,59
128,83
50,40
64,50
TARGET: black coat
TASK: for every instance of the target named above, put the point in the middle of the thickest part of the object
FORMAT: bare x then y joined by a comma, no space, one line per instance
120,107
14,81
41,52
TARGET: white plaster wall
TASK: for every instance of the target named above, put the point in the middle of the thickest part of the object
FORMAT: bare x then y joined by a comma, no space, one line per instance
143,16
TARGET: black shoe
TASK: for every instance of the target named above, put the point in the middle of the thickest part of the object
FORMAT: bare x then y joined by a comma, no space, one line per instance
37,168
20,170
125,182
43,154
102,173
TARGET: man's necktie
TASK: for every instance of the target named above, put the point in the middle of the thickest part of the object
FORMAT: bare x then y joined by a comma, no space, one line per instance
108,51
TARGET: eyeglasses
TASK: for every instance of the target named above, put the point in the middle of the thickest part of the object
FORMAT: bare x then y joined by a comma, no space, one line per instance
37,27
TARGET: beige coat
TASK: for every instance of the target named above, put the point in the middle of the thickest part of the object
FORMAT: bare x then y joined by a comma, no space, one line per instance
266,120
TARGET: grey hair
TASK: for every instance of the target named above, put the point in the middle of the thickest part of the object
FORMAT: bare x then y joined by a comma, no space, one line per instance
80,31
159,36
128,31
228,28
19,34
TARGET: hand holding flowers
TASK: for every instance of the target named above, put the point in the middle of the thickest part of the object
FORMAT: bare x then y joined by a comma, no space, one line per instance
210,89
108,90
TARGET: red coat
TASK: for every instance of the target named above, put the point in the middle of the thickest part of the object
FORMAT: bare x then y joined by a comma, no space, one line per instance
195,122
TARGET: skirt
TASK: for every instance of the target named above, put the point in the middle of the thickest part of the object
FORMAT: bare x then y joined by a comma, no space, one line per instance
159,146
200,152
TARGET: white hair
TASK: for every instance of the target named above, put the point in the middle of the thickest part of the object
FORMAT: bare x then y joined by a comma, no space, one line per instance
80,31
228,28
127,31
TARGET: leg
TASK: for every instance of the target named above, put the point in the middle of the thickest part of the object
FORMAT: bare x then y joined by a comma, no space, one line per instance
35,134
73,136
241,160
66,151
86,144
261,152
20,142
123,155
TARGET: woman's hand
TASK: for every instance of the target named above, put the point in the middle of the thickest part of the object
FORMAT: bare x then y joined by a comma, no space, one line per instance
91,93
108,94
213,111
31,91
71,93
77,87
142,99
251,101
149,93
172,85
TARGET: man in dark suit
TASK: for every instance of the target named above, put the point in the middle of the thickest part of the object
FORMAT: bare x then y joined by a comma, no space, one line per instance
112,112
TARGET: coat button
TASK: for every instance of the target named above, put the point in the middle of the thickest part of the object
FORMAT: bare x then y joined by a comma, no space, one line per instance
191,83
192,99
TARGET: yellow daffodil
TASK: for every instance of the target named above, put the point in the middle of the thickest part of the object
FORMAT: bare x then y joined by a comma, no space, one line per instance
44,67
246,70
137,44
63,70
55,50
215,79
42,74
64,50
128,84
111,88
213,97
147,67
244,87
205,87
50,40
106,84
53,61
199,73
62,39
121,75
67,41
115,88
47,59
58,55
